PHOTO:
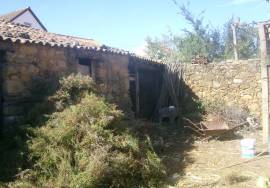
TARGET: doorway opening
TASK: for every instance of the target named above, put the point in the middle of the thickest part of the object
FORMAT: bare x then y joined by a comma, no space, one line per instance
144,88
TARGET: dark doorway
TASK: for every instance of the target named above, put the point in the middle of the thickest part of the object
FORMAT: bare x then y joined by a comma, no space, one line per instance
149,87
145,83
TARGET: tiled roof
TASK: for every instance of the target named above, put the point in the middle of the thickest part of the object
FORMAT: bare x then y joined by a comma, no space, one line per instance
19,33
12,15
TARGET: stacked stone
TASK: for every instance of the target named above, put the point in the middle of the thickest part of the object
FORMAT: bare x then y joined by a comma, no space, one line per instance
237,84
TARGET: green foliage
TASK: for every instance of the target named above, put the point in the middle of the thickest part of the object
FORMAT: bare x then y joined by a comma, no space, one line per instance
162,48
247,41
44,84
192,45
193,108
69,90
87,143
14,150
203,40
40,87
72,88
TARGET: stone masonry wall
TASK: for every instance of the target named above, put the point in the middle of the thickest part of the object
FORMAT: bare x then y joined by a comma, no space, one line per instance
26,62
23,64
111,73
236,84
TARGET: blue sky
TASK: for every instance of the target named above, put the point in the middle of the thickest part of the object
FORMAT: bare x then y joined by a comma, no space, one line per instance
126,23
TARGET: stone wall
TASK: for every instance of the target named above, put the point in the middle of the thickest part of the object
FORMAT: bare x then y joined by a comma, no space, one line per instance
111,73
25,63
236,84
22,65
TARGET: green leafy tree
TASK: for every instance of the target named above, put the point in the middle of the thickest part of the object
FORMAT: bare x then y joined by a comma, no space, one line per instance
247,41
201,39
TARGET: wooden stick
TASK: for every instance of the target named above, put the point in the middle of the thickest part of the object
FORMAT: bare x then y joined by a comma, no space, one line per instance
22,173
197,131
188,120
249,160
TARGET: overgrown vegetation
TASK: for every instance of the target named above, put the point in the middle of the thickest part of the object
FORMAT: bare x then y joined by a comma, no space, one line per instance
14,150
203,40
87,143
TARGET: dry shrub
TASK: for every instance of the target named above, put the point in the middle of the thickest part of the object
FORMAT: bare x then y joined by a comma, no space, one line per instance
232,115
82,145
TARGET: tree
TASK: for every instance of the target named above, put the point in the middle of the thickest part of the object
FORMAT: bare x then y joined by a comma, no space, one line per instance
201,39
159,48
247,40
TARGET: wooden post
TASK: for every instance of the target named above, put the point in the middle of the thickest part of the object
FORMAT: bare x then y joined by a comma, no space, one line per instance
234,41
93,69
137,90
265,84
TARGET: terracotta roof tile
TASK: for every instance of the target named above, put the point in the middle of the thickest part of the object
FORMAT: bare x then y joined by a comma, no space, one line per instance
19,33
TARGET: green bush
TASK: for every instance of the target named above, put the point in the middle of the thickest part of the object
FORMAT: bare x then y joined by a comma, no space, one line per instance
87,143
14,150
72,89
69,90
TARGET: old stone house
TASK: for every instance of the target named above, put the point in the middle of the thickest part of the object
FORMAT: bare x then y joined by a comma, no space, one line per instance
26,53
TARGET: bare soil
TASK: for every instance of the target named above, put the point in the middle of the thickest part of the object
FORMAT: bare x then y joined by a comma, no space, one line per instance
205,161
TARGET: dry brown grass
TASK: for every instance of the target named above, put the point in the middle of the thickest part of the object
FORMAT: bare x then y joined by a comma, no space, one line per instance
209,158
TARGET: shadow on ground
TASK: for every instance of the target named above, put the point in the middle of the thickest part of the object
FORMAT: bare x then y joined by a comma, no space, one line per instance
172,144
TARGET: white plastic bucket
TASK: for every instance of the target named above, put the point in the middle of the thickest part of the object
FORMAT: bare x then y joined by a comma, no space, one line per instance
248,148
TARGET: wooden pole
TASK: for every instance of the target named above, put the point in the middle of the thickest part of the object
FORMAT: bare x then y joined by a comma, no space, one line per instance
137,91
265,85
234,41
93,69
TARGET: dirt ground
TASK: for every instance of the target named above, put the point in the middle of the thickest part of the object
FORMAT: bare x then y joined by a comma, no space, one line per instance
195,163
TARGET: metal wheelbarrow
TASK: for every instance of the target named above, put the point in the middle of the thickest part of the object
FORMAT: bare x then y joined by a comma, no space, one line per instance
213,125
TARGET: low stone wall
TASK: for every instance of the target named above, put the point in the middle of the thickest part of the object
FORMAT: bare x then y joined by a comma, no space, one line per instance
236,83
